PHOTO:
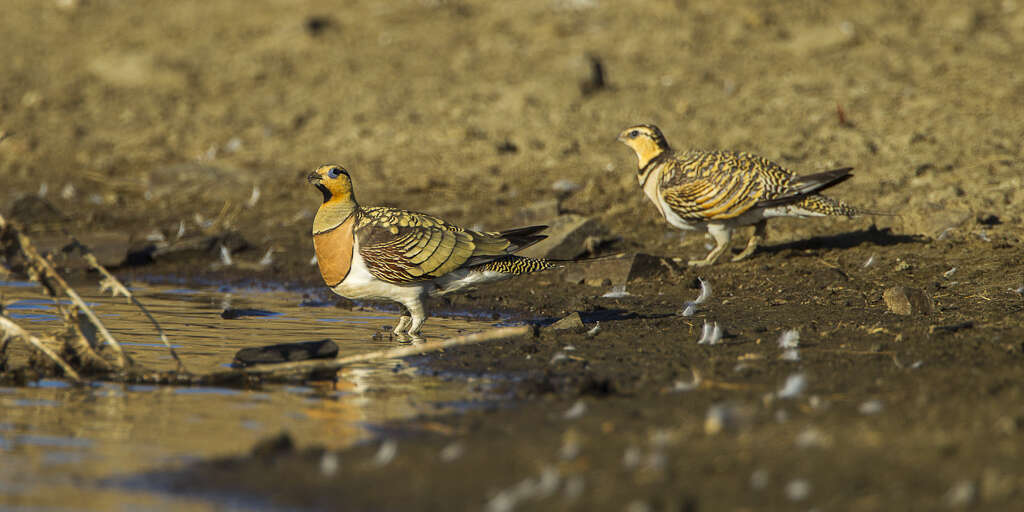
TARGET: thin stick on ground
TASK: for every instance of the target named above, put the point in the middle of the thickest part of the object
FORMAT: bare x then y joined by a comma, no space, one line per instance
9,328
282,369
46,272
115,286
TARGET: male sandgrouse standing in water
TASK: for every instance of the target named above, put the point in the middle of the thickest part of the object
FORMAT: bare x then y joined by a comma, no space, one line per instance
390,254
720,190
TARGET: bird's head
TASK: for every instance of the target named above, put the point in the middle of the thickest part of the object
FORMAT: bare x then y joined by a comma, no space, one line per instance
333,182
645,140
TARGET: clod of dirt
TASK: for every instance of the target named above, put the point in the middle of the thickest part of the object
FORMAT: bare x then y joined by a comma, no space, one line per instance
572,321
507,147
273,447
907,301
569,237
596,81
316,25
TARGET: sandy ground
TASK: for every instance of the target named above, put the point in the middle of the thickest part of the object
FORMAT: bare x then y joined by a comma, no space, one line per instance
146,118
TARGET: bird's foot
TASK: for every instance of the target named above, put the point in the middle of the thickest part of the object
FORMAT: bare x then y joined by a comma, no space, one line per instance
745,254
403,326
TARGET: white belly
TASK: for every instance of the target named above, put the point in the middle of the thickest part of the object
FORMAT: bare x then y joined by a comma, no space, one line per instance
361,284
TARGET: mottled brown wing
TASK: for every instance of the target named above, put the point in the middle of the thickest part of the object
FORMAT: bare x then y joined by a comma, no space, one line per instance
404,247
704,186
703,199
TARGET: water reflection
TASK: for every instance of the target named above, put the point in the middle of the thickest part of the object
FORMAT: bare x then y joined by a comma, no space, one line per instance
58,441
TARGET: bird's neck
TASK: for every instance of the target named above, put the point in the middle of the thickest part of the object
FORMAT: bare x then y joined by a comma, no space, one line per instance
647,153
647,165
333,213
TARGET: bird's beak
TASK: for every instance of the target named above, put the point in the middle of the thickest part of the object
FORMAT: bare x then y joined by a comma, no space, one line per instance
314,178
620,138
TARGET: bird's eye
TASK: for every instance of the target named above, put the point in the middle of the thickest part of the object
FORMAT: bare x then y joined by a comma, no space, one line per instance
334,172
634,133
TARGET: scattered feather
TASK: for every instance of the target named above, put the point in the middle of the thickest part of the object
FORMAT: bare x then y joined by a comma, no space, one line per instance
983,236
233,145
812,437
790,339
594,330
690,307
156,236
564,186
794,386
949,273
577,410
452,452
759,479
267,258
225,256
871,407
558,357
181,230
869,262
1019,291
632,457
711,334
945,234
962,494
916,365
68,192
791,355
798,489
721,417
254,197
617,292
313,260
329,464
386,453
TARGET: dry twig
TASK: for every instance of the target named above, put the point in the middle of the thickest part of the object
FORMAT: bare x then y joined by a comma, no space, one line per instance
112,284
10,328
43,272
282,369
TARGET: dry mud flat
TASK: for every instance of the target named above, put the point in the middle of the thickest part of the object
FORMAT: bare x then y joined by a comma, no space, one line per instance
149,118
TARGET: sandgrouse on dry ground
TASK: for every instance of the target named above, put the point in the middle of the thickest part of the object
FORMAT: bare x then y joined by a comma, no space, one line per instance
385,253
720,190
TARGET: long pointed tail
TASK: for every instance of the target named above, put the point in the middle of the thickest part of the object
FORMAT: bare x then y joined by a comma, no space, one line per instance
817,204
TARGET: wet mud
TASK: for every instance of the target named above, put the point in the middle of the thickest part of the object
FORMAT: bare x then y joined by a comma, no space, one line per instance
166,141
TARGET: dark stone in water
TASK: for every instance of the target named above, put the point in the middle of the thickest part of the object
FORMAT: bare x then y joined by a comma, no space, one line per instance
286,352
273,447
233,313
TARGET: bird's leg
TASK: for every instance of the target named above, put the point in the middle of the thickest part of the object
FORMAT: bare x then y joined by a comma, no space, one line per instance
722,236
755,240
403,322
419,315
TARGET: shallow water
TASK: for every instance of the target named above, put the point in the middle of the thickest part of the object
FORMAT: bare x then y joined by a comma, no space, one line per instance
57,442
